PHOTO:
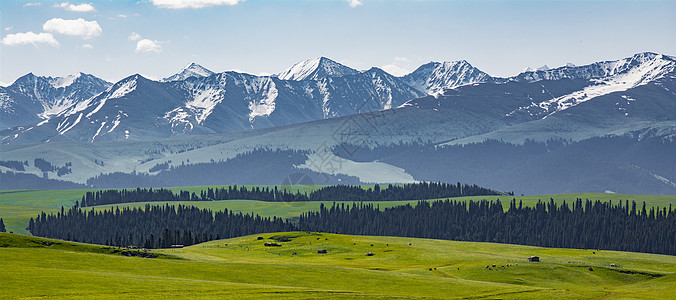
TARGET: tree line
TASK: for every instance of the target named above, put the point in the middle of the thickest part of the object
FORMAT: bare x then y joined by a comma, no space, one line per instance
589,225
151,227
412,191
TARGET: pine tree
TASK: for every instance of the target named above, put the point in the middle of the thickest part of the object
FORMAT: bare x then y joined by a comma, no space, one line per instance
2,226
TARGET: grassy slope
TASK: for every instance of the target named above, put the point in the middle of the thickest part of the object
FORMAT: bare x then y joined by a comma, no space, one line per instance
16,207
244,268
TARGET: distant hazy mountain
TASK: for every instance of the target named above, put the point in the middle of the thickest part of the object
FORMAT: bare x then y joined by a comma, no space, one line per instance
32,99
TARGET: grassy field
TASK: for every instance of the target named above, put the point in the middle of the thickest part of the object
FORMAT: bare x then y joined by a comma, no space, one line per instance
18,206
400,268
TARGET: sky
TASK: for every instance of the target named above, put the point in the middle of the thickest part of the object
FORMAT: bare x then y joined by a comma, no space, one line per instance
157,38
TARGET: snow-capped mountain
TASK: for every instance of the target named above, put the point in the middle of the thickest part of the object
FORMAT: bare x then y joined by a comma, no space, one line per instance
602,78
137,108
32,99
434,77
140,109
315,69
611,127
592,71
191,70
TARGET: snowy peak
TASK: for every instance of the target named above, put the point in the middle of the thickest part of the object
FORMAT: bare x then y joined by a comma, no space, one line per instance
191,70
315,69
434,77
598,70
604,78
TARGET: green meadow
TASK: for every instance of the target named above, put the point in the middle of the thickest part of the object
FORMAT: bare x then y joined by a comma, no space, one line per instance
18,206
398,268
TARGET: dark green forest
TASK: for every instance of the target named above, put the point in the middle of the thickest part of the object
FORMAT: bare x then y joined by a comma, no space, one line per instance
591,225
412,191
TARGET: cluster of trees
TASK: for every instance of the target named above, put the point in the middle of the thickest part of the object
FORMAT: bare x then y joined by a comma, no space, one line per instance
14,164
151,227
46,166
589,225
104,197
412,191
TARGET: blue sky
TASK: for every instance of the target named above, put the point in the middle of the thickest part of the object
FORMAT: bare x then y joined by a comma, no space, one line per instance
264,37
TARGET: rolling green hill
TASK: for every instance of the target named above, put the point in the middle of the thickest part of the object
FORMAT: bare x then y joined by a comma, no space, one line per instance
399,268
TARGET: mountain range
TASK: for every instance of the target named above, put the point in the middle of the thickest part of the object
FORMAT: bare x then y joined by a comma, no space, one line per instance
366,126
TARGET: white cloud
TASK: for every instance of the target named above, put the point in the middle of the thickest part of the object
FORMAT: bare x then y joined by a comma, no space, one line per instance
30,38
401,59
134,36
87,46
84,7
148,46
122,16
77,27
8,28
179,4
29,4
354,3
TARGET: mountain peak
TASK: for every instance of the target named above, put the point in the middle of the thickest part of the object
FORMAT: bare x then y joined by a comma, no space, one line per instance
316,68
191,70
435,77
660,64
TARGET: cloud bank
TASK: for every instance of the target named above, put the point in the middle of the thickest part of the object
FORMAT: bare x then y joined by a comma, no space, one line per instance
30,37
148,46
77,27
84,7
180,4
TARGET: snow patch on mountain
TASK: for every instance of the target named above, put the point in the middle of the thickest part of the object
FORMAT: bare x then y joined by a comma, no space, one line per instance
124,89
204,102
369,172
64,126
266,105
62,82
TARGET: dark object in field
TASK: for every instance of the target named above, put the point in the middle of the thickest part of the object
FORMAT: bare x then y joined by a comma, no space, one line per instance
260,238
321,251
293,253
430,269
370,254
272,245
409,244
137,253
371,245
282,239
534,259
590,269
614,266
